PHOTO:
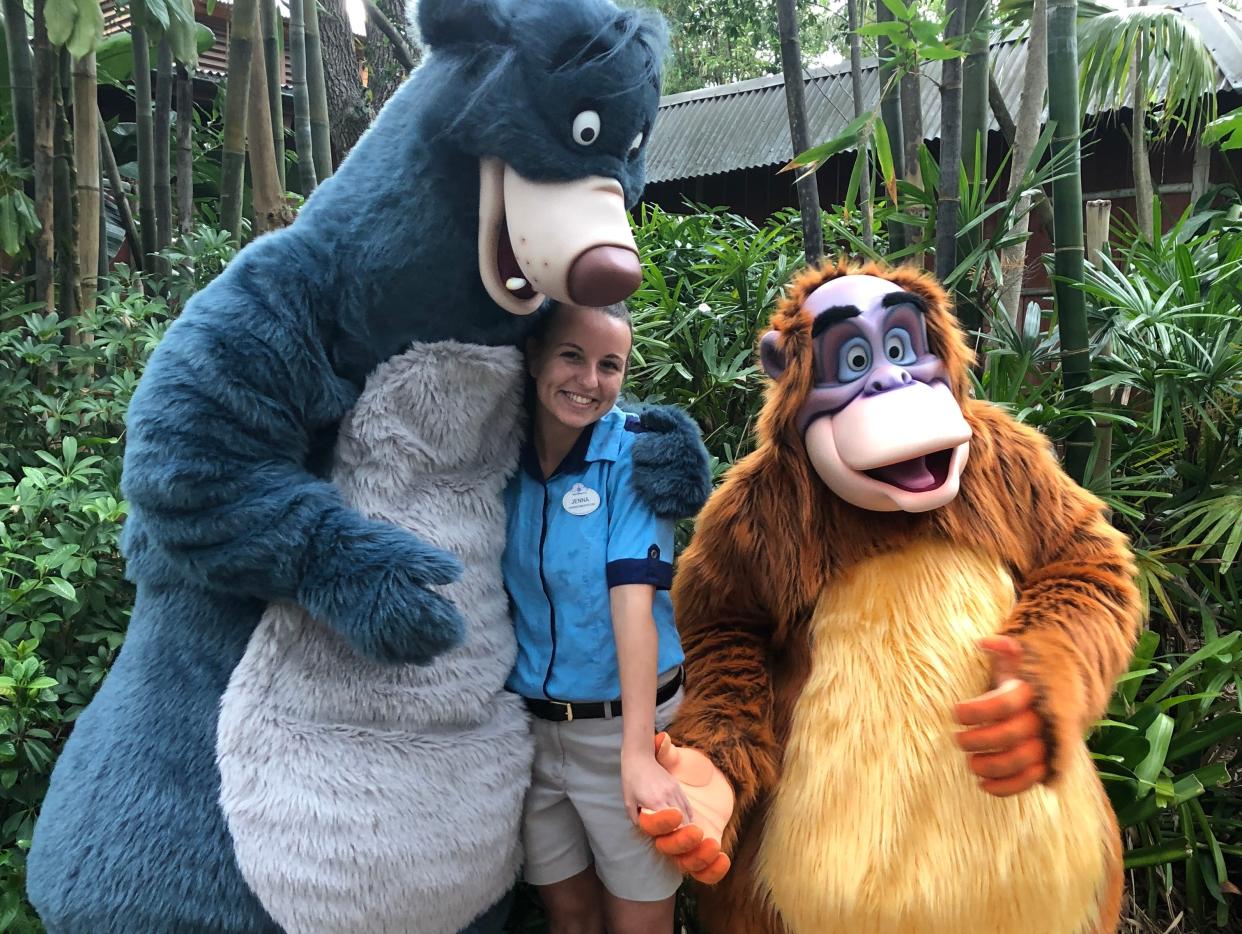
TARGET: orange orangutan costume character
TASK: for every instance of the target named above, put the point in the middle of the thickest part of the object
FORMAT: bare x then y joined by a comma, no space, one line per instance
900,620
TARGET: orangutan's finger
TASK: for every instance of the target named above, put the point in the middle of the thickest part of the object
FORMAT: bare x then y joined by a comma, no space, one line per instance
1003,736
1011,763
1008,700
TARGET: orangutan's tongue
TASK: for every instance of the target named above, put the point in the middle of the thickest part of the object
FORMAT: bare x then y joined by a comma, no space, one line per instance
910,475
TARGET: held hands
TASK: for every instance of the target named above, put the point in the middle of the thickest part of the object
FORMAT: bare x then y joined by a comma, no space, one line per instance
691,837
1004,744
645,785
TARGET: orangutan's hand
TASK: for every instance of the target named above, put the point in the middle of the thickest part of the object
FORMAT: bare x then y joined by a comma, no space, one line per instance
1004,744
693,847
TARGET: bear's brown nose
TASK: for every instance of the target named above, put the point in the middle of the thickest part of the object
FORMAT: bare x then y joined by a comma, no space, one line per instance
604,275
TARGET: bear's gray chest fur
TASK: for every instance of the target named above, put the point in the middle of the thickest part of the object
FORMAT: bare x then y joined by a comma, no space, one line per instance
369,797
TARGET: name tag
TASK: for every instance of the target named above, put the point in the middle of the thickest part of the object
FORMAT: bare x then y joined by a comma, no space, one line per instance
581,500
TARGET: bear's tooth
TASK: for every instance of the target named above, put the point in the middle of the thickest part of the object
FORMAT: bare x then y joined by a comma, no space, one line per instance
514,283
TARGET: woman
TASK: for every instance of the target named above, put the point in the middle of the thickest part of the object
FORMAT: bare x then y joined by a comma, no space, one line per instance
588,567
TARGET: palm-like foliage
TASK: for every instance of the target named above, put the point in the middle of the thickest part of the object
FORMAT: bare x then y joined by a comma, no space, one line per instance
1177,70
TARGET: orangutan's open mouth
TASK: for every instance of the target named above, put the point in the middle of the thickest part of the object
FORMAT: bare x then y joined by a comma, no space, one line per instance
507,265
918,474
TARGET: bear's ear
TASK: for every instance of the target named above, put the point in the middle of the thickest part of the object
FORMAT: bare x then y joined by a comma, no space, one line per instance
450,22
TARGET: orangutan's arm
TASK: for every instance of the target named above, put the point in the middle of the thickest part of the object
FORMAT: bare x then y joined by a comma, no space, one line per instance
1078,611
726,627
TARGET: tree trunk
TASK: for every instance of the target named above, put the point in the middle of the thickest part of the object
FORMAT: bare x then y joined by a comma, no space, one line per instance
1067,215
348,112
301,99
68,300
975,74
950,152
86,169
162,147
864,188
1098,215
118,194
270,210
273,61
185,149
146,131
890,111
236,98
321,135
390,54
791,66
21,82
1026,134
44,158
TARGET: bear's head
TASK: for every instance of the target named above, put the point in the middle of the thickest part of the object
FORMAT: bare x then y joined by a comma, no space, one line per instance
555,99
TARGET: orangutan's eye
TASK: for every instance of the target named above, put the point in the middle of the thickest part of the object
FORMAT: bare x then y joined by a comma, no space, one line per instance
586,127
898,347
853,360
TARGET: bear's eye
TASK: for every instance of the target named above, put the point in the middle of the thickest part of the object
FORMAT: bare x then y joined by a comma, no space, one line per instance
586,127
636,144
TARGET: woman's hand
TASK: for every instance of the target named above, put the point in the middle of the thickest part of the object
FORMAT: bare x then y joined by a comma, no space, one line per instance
646,784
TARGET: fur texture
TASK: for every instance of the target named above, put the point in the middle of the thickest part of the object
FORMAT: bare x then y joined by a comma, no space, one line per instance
671,472
773,540
310,731
231,432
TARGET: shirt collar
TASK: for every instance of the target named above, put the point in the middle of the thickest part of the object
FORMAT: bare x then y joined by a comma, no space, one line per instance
599,441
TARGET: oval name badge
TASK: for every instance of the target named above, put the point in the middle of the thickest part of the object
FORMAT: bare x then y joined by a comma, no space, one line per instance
581,500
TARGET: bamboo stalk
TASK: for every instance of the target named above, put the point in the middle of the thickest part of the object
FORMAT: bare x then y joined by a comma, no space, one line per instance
86,168
808,192
890,111
44,143
1022,144
864,187
950,150
316,85
301,99
185,151
162,147
975,73
270,211
273,62
237,92
68,299
1098,216
146,130
400,48
21,81
1067,217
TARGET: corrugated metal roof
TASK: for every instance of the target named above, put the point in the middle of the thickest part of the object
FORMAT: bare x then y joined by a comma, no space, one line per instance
745,125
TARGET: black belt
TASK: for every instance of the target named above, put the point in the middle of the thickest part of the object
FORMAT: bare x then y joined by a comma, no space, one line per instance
564,712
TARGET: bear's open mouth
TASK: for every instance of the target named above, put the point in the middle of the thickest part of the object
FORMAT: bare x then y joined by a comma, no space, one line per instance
507,264
918,474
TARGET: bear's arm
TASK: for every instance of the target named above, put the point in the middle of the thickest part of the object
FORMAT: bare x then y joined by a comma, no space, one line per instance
218,436
1078,611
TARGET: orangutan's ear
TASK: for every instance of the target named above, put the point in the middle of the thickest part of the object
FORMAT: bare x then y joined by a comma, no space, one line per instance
771,356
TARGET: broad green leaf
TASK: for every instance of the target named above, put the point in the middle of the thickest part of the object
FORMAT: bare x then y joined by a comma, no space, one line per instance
1158,736
1173,851
61,587
60,16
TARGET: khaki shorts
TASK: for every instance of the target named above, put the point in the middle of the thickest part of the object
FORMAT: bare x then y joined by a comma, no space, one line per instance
574,813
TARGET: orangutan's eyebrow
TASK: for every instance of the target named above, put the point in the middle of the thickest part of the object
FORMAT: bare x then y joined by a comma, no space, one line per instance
830,316
904,298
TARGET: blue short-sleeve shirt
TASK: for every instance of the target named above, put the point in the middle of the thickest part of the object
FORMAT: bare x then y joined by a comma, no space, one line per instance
571,538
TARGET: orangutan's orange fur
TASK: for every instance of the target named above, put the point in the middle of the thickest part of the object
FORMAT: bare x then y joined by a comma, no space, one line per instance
773,541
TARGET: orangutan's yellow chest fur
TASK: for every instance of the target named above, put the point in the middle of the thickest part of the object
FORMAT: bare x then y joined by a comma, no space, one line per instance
878,826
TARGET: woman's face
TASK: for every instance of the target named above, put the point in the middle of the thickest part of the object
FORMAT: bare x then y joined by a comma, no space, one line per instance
579,367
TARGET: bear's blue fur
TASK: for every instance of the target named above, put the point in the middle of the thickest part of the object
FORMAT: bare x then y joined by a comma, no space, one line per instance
231,430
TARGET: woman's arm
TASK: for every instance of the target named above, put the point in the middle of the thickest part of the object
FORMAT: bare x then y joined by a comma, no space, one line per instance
644,783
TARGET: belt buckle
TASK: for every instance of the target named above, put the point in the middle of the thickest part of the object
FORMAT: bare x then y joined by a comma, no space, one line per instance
569,710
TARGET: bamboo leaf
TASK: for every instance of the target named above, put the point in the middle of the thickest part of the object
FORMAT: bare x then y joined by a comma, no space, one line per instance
60,16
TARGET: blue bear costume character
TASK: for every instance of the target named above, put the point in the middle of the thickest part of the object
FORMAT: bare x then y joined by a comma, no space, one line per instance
253,760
